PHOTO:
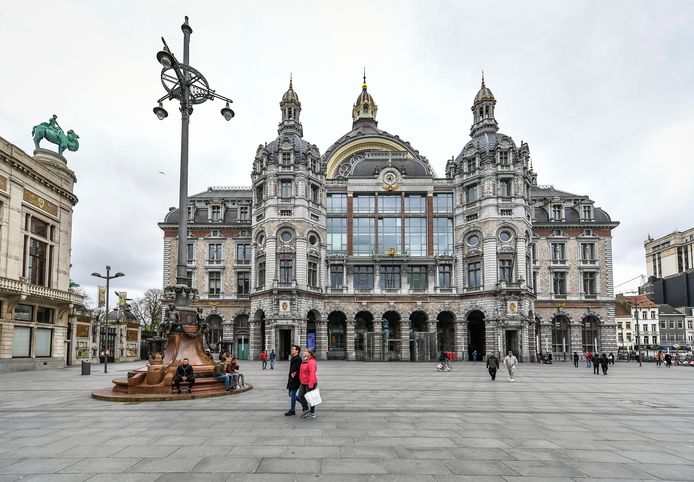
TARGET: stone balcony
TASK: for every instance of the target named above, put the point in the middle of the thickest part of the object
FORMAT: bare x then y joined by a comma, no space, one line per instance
25,289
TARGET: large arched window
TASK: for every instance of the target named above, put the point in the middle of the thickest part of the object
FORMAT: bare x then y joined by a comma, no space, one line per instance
590,334
561,338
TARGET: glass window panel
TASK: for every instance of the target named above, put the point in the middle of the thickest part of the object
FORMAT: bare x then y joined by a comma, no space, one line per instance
23,312
363,236
445,276
337,235
21,341
364,277
337,203
389,204
505,269
337,275
416,236
443,203
44,315
474,274
418,277
389,234
243,252
43,342
390,277
363,204
471,193
415,204
443,236
286,270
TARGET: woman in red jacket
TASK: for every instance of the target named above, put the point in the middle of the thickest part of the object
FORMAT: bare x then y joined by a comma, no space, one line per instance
309,381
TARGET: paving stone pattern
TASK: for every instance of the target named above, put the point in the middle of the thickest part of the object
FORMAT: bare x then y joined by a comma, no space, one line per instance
379,421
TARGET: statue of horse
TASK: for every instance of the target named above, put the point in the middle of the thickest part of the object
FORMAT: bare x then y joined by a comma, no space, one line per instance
52,132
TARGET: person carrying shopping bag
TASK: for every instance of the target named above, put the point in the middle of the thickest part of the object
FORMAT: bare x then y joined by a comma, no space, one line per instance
309,381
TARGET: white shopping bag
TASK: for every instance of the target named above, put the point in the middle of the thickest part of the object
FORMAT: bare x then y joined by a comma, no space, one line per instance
313,397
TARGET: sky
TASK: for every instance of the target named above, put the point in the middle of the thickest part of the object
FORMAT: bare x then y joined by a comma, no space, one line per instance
603,92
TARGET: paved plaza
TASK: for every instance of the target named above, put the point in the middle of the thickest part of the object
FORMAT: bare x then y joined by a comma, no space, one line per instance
379,421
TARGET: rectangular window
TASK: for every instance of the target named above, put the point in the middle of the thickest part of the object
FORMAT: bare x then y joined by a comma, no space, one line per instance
504,187
363,204
587,212
471,166
190,252
671,325
313,274
390,277
337,203
388,204
390,234
244,213
654,328
505,270
214,283
556,212
474,274
216,213
415,204
445,276
191,213
363,277
588,253
243,282
190,282
286,159
363,236
23,312
443,203
443,236
214,252
286,271
21,342
337,235
259,193
504,158
261,274
286,189
315,194
416,236
506,212
44,315
243,253
37,261
471,193
589,288
558,251
417,278
337,275
315,165
38,227
559,283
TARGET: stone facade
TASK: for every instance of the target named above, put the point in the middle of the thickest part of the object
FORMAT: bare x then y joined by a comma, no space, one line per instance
36,204
364,253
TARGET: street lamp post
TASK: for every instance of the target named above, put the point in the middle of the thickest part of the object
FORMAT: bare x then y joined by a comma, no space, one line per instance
108,278
187,85
638,331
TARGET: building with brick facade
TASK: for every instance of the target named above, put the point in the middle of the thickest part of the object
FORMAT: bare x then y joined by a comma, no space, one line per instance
365,253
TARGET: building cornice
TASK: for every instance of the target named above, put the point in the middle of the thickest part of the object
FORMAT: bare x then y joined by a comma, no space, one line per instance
41,179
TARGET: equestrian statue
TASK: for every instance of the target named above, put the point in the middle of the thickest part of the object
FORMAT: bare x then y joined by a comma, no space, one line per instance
53,133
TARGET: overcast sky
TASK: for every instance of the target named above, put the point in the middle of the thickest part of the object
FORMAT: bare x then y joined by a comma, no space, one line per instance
603,92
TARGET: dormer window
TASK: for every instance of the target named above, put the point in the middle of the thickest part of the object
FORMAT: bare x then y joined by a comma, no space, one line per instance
557,212
215,213
471,165
286,158
244,213
504,158
587,212
315,165
191,213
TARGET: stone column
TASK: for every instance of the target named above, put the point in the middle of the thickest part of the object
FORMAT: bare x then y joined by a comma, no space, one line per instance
378,344
459,333
300,327
405,326
576,340
322,340
349,340
433,348
254,340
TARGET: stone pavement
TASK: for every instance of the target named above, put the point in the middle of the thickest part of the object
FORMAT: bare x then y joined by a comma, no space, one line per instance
379,421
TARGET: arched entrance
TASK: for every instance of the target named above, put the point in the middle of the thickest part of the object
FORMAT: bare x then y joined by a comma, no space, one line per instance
590,334
421,341
445,332
242,335
363,341
391,335
561,336
476,335
214,335
337,327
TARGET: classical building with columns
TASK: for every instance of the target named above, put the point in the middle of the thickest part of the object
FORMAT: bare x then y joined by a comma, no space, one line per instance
365,253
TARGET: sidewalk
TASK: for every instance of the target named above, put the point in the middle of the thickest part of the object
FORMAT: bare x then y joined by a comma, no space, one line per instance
380,421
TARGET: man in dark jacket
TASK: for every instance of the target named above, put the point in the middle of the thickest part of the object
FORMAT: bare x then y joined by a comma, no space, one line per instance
293,382
184,373
492,365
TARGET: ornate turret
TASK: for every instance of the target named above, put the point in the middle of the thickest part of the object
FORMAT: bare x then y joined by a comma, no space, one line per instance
291,109
483,111
365,108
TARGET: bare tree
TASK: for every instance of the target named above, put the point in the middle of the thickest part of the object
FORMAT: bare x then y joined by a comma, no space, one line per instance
147,309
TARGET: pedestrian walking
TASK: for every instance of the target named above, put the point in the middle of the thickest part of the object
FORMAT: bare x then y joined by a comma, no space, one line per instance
596,363
604,361
576,359
668,360
309,381
272,359
611,358
474,356
588,358
511,362
293,382
658,358
263,359
492,365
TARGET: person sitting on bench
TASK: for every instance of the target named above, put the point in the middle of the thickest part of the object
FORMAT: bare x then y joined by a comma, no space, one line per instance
184,373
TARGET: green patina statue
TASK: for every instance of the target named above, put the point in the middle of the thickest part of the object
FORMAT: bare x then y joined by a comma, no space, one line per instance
53,133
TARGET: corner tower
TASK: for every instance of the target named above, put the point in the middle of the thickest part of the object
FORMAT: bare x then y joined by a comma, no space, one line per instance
288,248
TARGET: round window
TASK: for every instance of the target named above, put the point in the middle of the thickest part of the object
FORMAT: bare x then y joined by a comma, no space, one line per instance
505,236
473,240
261,240
313,240
286,236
